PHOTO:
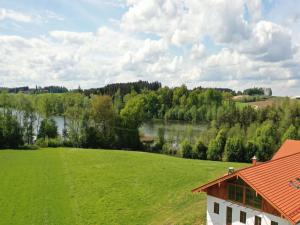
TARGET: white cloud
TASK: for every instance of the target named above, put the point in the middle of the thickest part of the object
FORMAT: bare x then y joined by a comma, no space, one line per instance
14,15
44,16
246,49
269,42
255,9
187,21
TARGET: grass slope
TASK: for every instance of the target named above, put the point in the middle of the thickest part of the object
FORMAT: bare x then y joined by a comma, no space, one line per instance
92,187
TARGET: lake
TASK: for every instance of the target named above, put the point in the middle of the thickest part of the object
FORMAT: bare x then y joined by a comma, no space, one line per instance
174,130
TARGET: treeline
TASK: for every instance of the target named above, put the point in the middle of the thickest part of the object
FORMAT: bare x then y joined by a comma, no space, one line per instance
258,91
36,90
123,88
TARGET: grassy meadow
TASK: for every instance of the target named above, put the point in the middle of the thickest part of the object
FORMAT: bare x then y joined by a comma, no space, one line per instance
93,187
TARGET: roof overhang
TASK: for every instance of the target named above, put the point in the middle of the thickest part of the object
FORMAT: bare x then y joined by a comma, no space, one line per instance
214,182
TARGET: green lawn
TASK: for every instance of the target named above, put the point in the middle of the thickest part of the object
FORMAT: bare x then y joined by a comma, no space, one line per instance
92,187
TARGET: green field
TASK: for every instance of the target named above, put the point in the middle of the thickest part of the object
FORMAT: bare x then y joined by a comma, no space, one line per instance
92,187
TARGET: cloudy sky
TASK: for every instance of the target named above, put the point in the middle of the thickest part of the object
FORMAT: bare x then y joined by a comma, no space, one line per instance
218,43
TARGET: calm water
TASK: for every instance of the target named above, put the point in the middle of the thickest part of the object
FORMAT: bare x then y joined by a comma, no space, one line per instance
174,130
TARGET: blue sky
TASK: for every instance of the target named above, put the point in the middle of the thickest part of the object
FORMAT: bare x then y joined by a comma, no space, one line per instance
219,43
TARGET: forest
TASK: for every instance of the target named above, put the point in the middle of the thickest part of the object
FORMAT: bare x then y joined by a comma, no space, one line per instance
110,118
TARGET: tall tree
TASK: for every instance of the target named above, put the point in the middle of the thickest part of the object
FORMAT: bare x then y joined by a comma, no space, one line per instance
216,146
103,116
234,151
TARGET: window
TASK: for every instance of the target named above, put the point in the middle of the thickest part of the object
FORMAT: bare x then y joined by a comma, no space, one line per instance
239,192
231,192
216,208
257,220
243,216
274,223
235,192
253,199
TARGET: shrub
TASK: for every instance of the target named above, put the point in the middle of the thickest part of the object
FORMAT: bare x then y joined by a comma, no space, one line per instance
200,150
54,142
30,147
186,149
49,142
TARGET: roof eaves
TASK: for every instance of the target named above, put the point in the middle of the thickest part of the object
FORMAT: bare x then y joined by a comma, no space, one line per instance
221,179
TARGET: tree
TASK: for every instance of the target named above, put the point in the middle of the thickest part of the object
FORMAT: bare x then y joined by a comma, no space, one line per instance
251,150
266,139
216,146
133,114
103,116
26,108
200,150
48,129
186,149
290,133
254,91
11,135
118,101
76,108
233,151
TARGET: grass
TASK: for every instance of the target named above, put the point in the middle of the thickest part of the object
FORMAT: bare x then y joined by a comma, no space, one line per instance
93,187
241,105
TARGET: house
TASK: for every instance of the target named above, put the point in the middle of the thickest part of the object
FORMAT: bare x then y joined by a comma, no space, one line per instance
263,194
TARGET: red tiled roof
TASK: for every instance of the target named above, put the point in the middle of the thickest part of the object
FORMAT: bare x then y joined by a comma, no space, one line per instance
289,147
272,181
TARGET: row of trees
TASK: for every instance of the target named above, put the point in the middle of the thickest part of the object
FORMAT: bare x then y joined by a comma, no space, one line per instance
101,121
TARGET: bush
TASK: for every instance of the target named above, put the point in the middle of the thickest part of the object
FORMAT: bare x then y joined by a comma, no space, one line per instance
54,142
41,142
170,149
49,142
200,150
186,149
30,147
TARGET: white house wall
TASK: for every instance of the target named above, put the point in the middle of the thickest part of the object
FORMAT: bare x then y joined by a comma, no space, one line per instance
220,219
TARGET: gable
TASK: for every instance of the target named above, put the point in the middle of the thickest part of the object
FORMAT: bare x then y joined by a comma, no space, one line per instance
238,191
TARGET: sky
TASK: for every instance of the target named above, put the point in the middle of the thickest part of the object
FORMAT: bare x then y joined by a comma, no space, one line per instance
235,44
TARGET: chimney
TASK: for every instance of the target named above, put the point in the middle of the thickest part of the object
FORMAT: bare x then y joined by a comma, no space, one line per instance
254,160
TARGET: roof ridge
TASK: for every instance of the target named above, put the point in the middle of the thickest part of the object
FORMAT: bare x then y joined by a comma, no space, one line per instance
266,162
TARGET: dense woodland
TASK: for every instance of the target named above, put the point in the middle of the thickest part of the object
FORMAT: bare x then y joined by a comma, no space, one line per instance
111,117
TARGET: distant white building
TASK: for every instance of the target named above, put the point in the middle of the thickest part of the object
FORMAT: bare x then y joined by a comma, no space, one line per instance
267,91
262,194
296,97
